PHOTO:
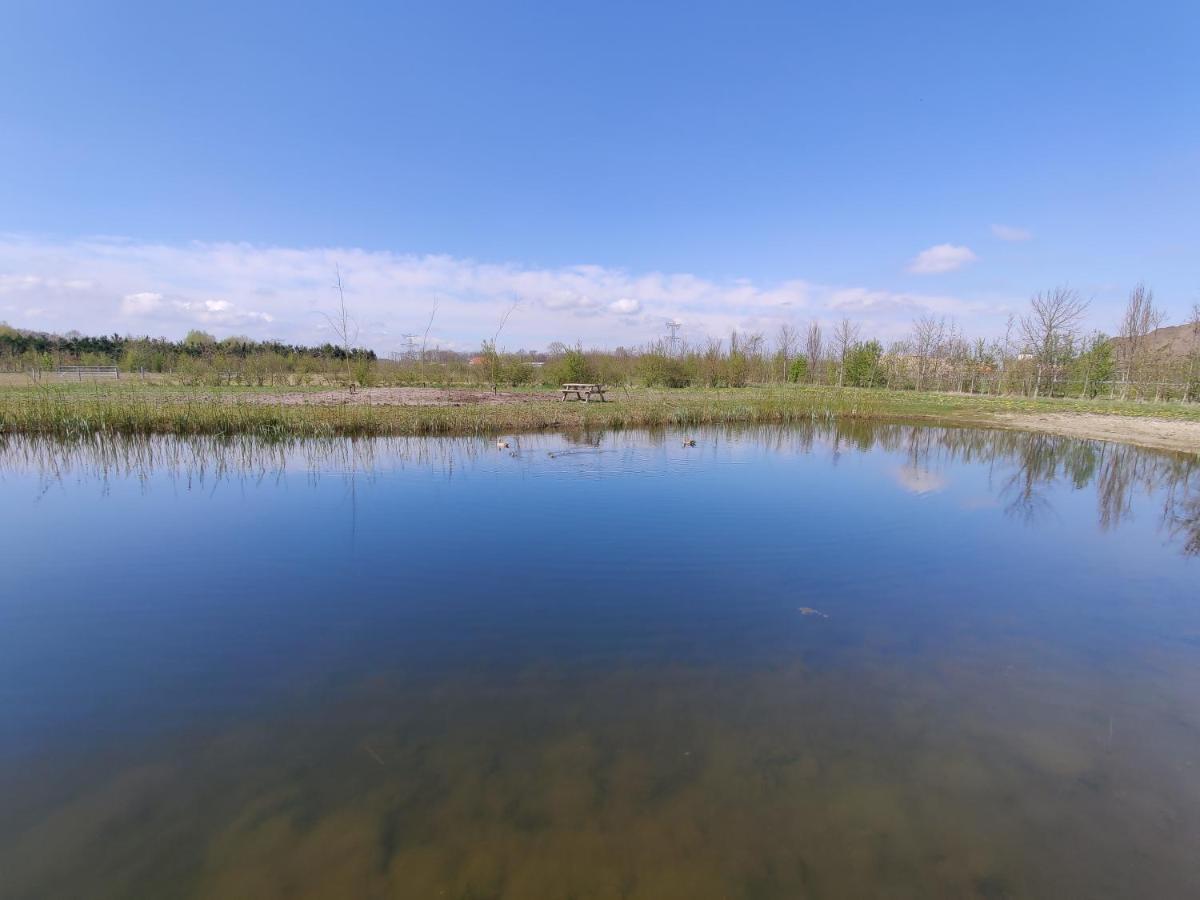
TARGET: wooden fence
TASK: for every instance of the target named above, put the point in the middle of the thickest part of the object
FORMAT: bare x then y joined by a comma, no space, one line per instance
79,373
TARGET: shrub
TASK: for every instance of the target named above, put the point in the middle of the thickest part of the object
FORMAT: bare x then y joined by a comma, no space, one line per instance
798,370
736,369
572,366
862,364
364,373
660,370
515,370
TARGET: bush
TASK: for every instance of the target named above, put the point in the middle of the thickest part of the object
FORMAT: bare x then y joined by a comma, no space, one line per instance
572,366
659,370
862,365
515,370
364,373
736,369
798,370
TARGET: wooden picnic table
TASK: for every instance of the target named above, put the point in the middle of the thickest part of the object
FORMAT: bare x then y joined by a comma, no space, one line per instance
583,391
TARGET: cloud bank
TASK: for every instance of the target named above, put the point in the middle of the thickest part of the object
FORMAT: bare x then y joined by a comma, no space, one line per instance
104,285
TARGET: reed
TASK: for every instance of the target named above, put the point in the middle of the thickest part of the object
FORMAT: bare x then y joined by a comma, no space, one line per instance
137,410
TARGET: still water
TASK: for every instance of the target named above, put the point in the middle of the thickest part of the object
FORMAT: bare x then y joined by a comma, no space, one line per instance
834,661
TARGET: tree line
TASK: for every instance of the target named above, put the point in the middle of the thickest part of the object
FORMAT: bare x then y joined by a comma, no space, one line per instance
199,354
1043,352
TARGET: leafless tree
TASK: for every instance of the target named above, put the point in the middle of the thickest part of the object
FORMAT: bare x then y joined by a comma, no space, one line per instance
1140,319
428,326
1050,329
786,340
844,336
344,325
425,337
813,349
752,344
1006,349
711,361
928,336
491,348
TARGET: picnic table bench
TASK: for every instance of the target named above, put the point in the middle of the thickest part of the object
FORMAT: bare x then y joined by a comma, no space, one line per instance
583,391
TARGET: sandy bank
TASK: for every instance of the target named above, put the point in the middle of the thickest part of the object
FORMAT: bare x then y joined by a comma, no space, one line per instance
1160,434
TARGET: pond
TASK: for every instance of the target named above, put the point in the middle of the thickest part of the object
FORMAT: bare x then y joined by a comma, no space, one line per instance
840,660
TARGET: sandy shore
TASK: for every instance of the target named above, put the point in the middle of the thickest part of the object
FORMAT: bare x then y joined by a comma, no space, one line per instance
1160,434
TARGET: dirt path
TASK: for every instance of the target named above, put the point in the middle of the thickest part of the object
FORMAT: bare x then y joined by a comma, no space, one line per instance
1161,434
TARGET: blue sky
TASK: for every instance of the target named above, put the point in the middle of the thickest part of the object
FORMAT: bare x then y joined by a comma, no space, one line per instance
607,165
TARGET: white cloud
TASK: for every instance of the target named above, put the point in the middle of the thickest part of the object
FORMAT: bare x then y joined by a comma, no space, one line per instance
102,285
12,283
141,303
941,258
916,480
862,300
148,304
221,312
1012,233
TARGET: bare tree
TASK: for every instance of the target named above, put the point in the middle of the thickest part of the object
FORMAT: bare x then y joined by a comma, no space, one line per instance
425,338
1140,319
1050,329
344,325
491,349
1006,348
786,339
844,336
813,349
928,337
428,326
710,361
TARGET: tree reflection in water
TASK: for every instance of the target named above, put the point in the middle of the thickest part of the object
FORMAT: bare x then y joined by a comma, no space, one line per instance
1026,465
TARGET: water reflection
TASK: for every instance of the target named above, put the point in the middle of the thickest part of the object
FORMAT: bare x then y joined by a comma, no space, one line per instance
588,666
1026,465
919,480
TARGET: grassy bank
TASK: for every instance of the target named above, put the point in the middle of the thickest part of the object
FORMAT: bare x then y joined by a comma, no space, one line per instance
73,410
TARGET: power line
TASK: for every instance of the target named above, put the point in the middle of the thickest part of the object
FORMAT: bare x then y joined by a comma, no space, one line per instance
673,325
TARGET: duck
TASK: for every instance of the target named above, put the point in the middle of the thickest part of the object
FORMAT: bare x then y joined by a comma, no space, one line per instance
501,444
689,442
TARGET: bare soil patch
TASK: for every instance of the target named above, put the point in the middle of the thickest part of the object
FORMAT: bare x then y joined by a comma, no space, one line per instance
399,396
1161,434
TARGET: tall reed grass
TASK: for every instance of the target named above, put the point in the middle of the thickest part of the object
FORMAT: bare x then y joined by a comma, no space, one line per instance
138,410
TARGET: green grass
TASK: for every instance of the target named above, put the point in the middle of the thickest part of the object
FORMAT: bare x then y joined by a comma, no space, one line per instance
74,410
